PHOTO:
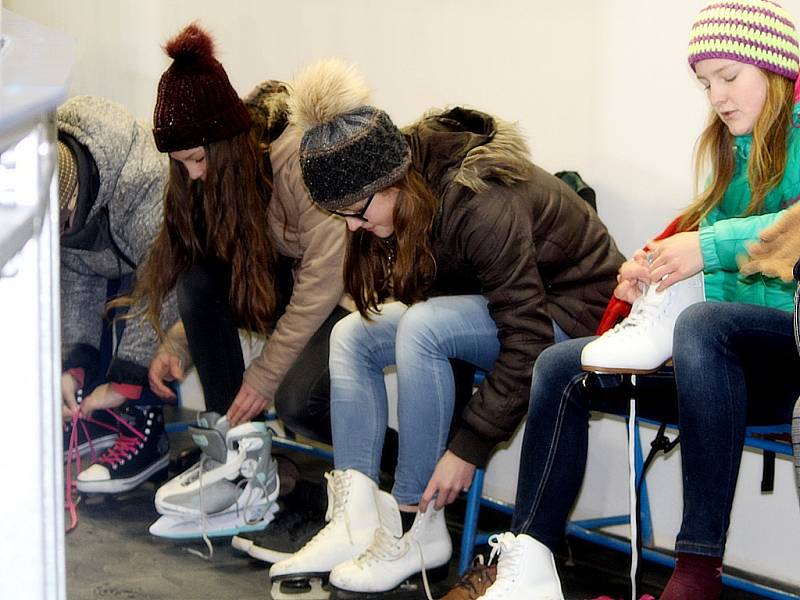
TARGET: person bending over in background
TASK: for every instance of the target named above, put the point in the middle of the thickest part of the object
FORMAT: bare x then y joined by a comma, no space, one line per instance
111,182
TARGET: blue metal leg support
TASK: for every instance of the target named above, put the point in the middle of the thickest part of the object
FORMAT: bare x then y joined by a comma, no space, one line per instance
471,522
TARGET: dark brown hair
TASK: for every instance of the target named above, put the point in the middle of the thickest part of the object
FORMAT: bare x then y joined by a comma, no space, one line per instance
403,266
767,164
222,218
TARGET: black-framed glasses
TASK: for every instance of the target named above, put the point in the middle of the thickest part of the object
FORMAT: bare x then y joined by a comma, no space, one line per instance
355,215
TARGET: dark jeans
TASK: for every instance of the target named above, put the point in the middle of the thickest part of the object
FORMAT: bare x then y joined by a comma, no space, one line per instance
113,329
734,365
303,398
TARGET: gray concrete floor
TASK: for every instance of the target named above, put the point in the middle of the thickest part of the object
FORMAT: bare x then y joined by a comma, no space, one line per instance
112,556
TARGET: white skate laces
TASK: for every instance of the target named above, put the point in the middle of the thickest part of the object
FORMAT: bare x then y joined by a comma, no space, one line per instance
642,343
505,545
251,496
338,491
203,517
386,547
509,557
646,310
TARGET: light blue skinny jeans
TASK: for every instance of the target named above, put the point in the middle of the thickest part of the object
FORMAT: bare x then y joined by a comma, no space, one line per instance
419,340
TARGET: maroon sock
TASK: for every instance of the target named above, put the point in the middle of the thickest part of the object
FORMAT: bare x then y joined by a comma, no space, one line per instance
695,577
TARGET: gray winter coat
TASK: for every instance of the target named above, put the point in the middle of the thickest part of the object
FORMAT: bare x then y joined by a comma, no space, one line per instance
124,189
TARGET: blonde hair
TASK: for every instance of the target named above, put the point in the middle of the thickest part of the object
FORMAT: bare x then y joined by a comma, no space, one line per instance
767,164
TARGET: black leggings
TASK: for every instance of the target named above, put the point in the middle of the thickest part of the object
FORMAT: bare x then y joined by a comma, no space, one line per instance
302,400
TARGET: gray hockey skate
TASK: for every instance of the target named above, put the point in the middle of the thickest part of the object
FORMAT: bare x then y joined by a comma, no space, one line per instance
230,490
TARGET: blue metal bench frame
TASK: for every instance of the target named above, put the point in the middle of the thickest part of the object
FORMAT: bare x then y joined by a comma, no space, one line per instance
588,529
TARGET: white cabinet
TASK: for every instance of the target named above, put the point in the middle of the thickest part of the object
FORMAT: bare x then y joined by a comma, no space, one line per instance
34,69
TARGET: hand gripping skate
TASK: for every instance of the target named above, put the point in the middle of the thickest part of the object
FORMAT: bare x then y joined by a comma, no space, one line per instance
642,343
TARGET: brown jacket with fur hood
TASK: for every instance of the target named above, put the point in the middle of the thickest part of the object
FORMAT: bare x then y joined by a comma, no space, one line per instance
311,238
522,238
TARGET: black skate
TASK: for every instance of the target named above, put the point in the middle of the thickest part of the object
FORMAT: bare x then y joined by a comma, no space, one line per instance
140,452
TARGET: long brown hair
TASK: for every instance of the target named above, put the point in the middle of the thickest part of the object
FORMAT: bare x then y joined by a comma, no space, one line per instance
222,218
715,148
403,266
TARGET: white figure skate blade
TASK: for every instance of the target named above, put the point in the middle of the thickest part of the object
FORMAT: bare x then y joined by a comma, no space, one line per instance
219,525
313,591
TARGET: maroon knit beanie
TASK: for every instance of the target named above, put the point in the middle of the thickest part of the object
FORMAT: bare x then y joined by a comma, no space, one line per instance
196,103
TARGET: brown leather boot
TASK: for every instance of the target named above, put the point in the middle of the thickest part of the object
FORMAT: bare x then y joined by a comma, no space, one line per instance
474,582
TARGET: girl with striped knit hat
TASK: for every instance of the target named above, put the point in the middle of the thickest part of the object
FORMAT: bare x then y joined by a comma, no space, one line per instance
732,355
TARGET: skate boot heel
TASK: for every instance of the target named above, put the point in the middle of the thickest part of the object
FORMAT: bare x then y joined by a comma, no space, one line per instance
300,588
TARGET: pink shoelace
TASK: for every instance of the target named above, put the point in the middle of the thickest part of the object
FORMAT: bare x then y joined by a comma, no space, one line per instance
124,446
71,496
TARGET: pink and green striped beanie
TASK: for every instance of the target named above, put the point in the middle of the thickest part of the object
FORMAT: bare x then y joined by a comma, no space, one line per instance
756,32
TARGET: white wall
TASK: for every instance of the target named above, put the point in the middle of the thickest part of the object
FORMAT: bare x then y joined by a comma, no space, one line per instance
600,86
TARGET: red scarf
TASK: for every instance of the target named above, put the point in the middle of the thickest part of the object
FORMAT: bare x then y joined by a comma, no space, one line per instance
618,309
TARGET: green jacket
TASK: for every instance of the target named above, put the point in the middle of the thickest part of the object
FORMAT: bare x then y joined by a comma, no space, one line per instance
724,234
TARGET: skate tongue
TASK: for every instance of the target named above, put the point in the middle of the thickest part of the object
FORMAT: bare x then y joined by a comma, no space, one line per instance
213,420
652,296
211,442
389,513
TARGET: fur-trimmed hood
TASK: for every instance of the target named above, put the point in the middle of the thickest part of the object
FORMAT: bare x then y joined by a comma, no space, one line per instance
467,147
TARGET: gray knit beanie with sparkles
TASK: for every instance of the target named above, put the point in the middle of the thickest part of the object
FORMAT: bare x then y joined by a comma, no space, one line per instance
349,150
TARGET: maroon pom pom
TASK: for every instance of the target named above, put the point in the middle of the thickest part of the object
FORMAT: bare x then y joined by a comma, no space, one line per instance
190,45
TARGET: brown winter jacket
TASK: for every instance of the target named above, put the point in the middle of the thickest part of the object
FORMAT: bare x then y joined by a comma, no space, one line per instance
313,239
522,238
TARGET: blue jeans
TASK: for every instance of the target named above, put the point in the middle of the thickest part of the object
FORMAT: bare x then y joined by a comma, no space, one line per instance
734,364
419,340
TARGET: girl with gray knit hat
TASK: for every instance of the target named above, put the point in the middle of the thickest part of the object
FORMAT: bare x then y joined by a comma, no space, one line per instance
459,247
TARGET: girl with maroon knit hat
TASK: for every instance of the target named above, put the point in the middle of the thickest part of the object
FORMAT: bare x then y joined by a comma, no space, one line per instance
243,245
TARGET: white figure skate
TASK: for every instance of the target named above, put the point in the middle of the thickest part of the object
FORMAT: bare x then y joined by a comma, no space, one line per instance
526,570
352,519
393,557
642,343
231,489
